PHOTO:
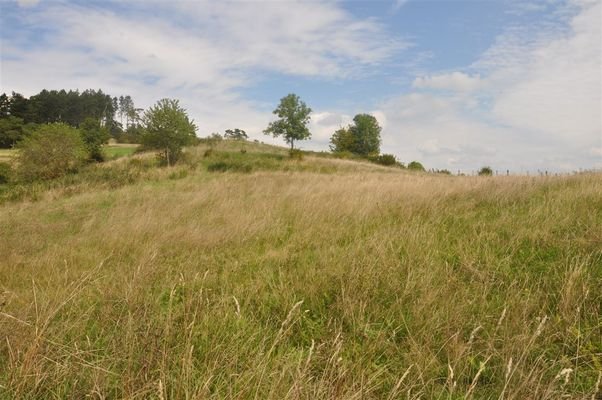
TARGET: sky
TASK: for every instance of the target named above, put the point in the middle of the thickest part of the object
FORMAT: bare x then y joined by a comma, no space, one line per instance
515,85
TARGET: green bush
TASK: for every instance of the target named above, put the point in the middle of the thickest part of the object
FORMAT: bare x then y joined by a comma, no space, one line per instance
6,173
384,159
486,171
416,166
52,151
94,136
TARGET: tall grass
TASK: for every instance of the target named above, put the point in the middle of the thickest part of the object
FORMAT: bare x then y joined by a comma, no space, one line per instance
300,284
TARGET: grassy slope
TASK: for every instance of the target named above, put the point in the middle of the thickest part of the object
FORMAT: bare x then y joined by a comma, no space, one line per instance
302,279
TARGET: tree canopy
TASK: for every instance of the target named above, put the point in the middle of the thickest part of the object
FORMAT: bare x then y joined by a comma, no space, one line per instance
168,129
235,134
361,138
293,117
51,151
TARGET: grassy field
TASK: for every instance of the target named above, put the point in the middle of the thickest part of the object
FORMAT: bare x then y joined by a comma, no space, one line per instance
7,155
253,276
113,151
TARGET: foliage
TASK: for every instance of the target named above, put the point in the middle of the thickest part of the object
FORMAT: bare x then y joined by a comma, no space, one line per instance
366,132
442,171
6,173
94,136
168,129
133,134
51,151
485,171
416,166
293,117
70,107
11,131
342,141
385,159
124,106
361,138
235,134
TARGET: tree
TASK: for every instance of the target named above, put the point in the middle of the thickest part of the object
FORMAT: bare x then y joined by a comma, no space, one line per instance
50,152
168,129
361,138
342,141
236,134
94,136
485,171
416,166
4,105
366,132
293,117
11,131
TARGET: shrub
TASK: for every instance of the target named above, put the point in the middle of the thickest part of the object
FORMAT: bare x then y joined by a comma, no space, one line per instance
6,173
52,151
415,166
485,171
94,136
384,159
168,129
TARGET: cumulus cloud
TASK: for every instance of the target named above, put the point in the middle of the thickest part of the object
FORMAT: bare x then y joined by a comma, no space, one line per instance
204,53
533,101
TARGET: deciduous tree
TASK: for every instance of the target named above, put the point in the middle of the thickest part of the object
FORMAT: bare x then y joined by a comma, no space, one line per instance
293,117
168,129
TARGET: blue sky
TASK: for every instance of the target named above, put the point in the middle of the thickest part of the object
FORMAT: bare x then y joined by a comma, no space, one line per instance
455,84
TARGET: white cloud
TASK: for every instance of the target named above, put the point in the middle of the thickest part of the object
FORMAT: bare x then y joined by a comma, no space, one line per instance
558,92
204,53
532,102
323,125
457,81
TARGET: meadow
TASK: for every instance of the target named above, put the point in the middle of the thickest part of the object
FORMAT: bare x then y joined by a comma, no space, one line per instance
250,275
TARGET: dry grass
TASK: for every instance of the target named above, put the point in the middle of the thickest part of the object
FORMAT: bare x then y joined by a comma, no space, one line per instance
7,155
362,283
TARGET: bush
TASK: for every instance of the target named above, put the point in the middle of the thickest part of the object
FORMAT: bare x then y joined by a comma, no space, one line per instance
384,159
485,171
6,173
94,136
415,166
52,151
168,129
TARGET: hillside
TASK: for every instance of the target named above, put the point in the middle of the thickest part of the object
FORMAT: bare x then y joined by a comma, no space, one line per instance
251,275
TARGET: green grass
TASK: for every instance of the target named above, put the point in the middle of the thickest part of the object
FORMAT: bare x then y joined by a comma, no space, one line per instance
250,275
112,152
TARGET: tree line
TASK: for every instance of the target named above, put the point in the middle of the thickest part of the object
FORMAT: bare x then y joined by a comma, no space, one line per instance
20,116
57,131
